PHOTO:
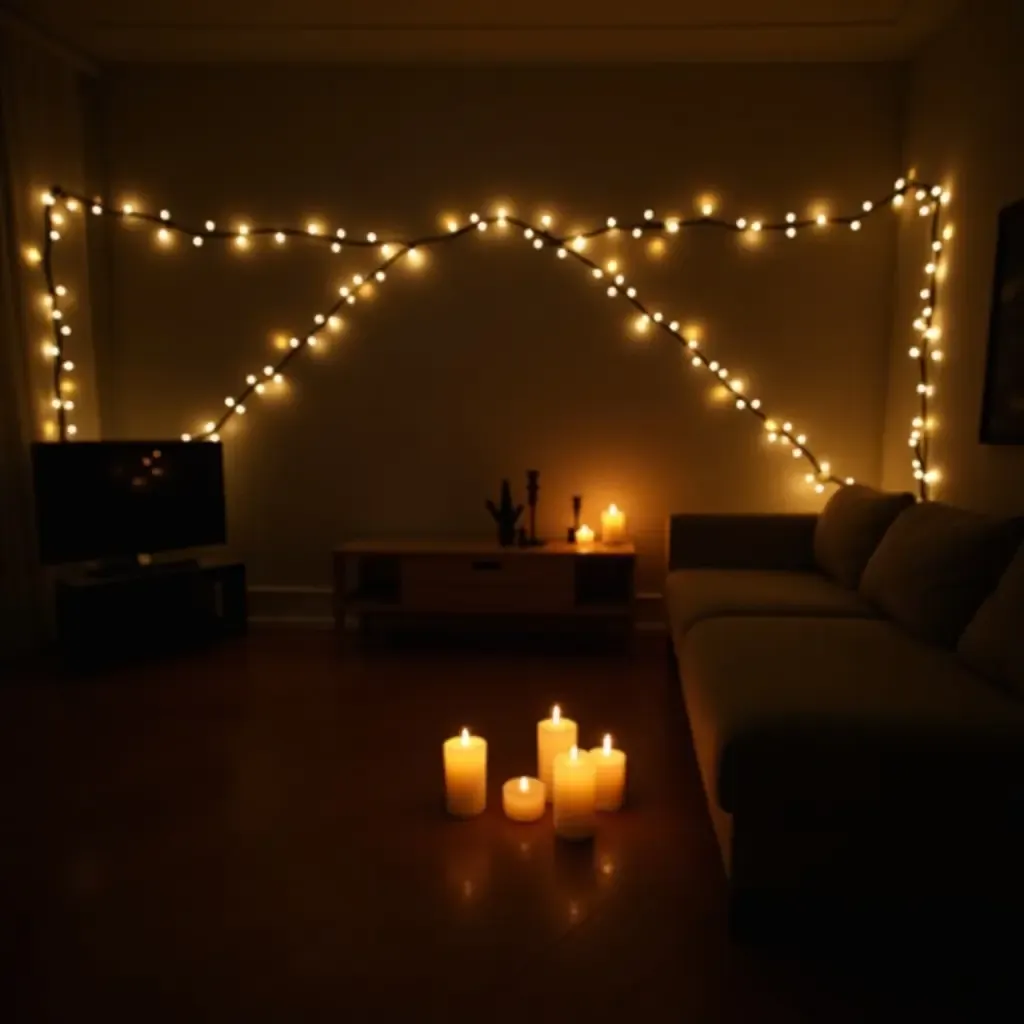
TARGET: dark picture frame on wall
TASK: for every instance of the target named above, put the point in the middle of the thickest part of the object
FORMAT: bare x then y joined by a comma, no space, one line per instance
1002,409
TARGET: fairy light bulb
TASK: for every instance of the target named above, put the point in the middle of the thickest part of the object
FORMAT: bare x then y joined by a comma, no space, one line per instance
631,292
473,218
127,209
867,206
334,323
452,225
268,370
481,225
210,426
55,236
60,290
57,218
240,409
251,379
791,232
597,272
790,218
755,403
371,236
65,331
278,378
197,241
294,342
741,223
186,438
380,275
695,361
546,220
821,220
68,365
561,254
33,256
637,232
229,402
279,237
165,214
97,209
210,226
612,291
897,201
72,429
538,243
46,198
357,279
692,343
855,225
755,226
642,323
707,209
313,228
672,226
579,243
713,366
312,341
648,214
260,388
611,222
657,318
163,235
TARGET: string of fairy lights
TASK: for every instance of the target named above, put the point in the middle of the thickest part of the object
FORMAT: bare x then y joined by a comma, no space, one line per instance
926,351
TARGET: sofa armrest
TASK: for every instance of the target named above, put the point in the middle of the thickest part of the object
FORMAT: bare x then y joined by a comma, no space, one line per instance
742,541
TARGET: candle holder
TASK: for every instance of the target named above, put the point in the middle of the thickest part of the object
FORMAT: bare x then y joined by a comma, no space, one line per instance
505,514
532,490
577,504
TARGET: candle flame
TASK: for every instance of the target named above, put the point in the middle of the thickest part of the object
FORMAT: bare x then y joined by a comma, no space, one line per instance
465,737
556,714
524,784
613,508
574,753
608,743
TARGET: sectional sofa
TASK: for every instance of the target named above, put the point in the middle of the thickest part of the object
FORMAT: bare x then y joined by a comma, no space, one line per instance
854,684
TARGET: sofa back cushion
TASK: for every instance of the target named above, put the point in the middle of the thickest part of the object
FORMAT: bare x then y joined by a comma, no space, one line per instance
935,566
993,644
851,526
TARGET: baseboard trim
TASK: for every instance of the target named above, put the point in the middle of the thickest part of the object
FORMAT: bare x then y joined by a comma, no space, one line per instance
302,606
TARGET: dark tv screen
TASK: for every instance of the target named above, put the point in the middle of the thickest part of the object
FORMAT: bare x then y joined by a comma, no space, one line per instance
109,499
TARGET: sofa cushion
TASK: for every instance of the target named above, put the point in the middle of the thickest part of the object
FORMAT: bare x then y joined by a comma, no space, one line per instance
826,712
993,642
851,526
934,567
695,594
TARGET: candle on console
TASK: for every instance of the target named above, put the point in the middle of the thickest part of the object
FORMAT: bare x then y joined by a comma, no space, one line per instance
465,774
523,799
585,537
574,795
609,776
555,735
613,525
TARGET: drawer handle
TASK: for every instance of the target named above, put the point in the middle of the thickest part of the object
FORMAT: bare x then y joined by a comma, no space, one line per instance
486,565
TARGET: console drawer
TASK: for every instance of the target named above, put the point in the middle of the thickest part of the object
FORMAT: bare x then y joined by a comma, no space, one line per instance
488,583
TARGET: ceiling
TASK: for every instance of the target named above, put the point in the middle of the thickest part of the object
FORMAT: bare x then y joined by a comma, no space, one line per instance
477,30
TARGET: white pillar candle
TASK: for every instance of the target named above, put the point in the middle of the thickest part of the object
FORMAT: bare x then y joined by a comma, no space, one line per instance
555,735
609,776
585,537
465,774
613,525
523,799
574,795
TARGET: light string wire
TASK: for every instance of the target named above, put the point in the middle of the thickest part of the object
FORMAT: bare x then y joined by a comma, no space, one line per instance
930,198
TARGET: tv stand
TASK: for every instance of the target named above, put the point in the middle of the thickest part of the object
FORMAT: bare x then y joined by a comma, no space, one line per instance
118,567
147,610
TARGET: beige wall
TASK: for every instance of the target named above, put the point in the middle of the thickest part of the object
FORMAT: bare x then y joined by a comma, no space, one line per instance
42,132
962,127
495,359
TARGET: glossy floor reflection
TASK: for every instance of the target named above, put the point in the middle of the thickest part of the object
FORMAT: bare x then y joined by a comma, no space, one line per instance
257,833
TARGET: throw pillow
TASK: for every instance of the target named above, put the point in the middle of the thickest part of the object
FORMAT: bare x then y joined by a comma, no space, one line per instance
934,567
851,526
992,643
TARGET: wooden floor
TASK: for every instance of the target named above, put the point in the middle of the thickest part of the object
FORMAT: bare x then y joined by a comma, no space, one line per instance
256,833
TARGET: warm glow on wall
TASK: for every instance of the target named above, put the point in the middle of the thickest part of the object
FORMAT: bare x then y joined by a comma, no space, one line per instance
752,228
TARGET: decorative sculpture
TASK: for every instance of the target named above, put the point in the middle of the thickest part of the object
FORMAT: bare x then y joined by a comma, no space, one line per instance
505,515
532,488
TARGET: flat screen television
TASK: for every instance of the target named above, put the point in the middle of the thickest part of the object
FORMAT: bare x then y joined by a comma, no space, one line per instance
117,499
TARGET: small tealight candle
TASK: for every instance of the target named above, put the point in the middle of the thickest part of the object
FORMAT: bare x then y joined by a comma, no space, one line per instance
465,775
555,735
584,537
523,799
609,776
613,525
574,795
